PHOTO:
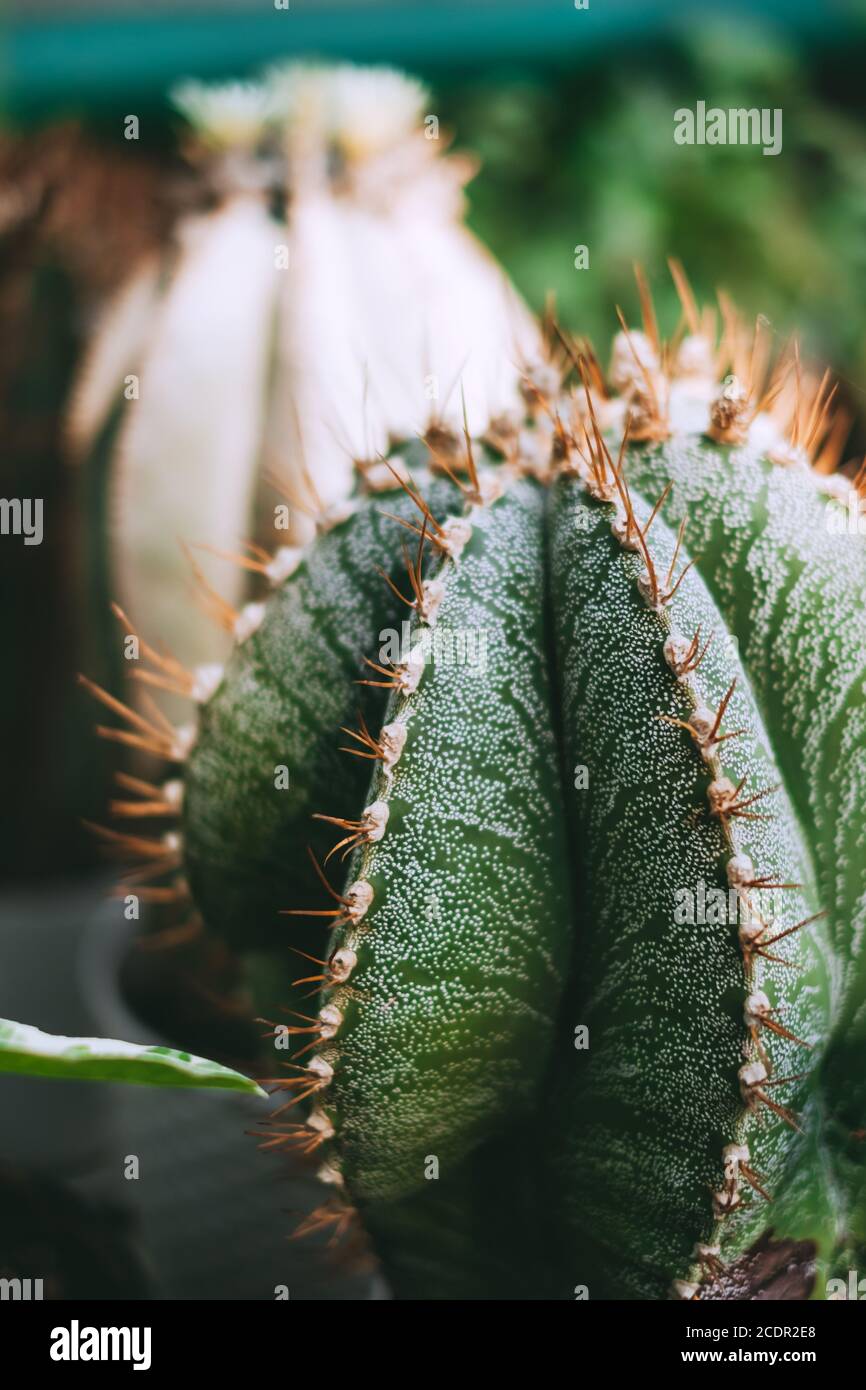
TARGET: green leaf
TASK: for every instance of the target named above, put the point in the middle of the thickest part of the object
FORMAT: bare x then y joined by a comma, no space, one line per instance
30,1052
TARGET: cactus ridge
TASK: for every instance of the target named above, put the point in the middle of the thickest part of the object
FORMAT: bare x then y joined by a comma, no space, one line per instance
292,687
441,1020
675,755
470,1037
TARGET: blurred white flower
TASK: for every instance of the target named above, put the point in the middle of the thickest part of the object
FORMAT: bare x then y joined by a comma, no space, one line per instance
225,115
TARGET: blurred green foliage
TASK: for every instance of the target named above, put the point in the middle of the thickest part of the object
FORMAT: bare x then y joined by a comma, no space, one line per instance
589,158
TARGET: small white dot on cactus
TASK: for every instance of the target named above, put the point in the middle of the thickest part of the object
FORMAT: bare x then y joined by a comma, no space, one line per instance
359,897
172,793
751,1074
318,1121
379,476
455,536
540,379
432,594
332,516
749,933
248,621
283,563
410,671
703,721
720,794
341,965
632,356
740,871
695,357
787,455
726,1201
625,532
732,1156
392,741
756,1009
677,652
330,1175
184,738
205,680
489,486
649,591
375,820
330,1019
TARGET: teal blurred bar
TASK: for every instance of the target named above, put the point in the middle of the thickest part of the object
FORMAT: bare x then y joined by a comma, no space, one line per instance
61,56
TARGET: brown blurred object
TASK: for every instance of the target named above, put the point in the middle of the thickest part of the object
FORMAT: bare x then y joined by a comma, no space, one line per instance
771,1271
95,207
75,214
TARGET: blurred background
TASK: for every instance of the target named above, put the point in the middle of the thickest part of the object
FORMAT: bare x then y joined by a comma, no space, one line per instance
570,114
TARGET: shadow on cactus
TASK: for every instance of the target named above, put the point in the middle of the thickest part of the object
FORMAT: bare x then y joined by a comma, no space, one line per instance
579,707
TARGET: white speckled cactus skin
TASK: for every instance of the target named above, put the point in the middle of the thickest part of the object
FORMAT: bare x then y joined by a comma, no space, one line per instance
792,589
661,714
477,900
644,1115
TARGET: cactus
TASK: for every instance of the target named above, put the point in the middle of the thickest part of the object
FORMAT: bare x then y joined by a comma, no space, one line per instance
593,973
270,343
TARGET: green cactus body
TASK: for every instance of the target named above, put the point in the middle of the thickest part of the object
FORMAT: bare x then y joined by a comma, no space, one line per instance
478,1231
531,831
645,1119
445,1023
791,587
789,574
